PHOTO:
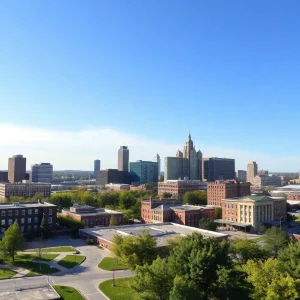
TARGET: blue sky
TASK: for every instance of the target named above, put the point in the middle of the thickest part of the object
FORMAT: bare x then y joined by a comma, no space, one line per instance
150,71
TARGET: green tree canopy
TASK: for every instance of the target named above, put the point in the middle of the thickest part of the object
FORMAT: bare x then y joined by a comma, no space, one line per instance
195,198
244,249
135,250
166,195
289,259
113,221
13,240
275,240
269,282
127,199
153,282
208,224
62,200
218,213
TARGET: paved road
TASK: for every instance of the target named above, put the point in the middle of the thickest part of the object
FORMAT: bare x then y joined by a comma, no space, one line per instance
85,277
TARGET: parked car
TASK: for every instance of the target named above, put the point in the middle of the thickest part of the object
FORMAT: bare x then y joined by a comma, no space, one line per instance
76,252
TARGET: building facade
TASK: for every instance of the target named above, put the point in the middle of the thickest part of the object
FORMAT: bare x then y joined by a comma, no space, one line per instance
3,176
96,166
266,180
29,215
177,188
26,190
241,175
215,168
104,177
123,159
16,168
156,158
42,172
142,172
251,171
171,210
218,190
92,216
186,164
252,211
117,187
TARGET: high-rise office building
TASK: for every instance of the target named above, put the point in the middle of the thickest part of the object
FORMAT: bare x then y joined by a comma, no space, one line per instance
215,168
156,158
16,168
242,175
251,171
96,166
186,164
143,172
42,172
123,158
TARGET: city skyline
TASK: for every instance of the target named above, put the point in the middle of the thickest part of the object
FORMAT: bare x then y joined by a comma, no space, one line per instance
76,72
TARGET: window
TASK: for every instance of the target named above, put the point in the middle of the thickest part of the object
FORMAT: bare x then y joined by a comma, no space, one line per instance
50,220
16,212
22,220
22,228
3,213
2,222
30,211
50,211
10,212
2,230
28,227
35,227
9,221
36,219
36,211
23,212
29,220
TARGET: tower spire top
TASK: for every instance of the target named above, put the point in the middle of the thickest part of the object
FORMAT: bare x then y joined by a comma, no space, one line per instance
189,134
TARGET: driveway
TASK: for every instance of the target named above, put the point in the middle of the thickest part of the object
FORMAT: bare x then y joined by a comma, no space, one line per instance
85,277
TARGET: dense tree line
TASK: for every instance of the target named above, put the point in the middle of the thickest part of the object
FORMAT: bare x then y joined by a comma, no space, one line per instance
198,268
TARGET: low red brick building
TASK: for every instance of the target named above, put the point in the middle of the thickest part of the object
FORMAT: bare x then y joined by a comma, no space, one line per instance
218,190
293,196
171,210
92,216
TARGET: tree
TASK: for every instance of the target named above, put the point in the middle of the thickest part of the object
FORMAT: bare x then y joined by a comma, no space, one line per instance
135,250
127,199
62,200
218,213
40,246
196,260
166,195
262,229
153,282
13,240
269,283
275,240
113,221
208,224
289,259
244,249
195,198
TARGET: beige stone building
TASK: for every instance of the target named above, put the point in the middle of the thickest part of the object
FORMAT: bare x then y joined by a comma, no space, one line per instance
252,211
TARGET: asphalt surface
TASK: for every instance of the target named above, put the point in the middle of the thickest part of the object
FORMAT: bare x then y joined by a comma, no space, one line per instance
85,277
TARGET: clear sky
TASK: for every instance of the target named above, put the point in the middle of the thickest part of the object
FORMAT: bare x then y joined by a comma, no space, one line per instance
80,78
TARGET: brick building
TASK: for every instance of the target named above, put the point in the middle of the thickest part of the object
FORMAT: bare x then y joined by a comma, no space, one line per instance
26,190
28,215
92,216
179,187
218,190
252,211
171,210
293,196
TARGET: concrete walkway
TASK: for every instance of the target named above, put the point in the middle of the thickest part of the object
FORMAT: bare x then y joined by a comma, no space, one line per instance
20,271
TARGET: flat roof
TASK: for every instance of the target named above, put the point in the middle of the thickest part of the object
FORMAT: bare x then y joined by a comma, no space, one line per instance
161,231
99,211
222,221
11,205
253,198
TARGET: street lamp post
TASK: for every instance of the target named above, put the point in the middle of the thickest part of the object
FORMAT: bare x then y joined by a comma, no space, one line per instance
113,283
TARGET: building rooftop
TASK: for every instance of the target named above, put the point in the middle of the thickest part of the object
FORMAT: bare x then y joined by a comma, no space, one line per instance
25,205
161,231
254,198
97,211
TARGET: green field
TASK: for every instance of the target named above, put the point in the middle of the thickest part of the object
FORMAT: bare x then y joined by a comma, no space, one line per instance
110,263
71,261
122,290
45,257
67,292
55,249
7,274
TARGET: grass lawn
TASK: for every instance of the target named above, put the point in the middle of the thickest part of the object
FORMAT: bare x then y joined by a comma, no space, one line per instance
110,263
45,257
26,261
122,290
7,274
71,261
55,249
67,292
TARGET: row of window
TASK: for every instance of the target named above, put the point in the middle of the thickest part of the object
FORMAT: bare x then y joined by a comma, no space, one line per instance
29,227
5,222
23,212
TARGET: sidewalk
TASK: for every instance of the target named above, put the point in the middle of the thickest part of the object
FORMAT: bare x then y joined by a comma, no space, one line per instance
21,272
